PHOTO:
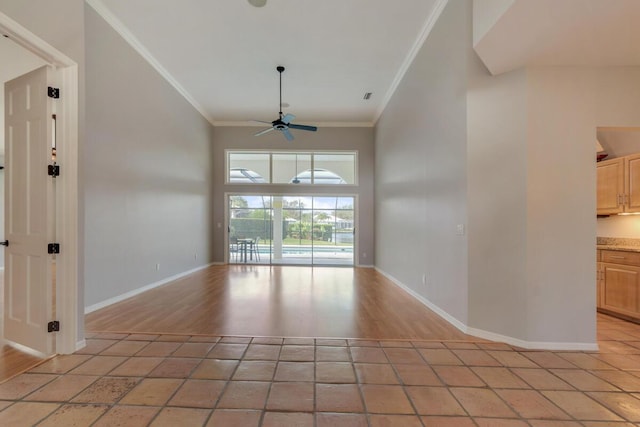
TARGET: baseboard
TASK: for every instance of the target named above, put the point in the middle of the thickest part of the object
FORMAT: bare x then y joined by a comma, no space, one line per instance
431,306
480,333
533,345
81,344
25,349
366,266
138,291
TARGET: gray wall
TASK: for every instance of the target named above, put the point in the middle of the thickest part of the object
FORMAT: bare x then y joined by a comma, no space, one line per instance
532,201
360,139
148,175
508,157
497,200
421,169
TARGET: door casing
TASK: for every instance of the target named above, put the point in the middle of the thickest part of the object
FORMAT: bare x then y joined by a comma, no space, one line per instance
68,219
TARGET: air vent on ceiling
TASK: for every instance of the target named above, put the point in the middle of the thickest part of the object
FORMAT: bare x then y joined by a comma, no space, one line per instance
367,95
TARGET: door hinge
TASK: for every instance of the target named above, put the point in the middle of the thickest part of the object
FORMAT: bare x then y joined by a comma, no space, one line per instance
53,326
53,92
53,170
53,248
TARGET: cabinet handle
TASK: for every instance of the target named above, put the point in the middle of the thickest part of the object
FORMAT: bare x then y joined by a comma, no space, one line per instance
620,202
616,257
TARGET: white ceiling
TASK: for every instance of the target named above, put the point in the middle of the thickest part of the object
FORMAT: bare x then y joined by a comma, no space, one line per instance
561,33
224,53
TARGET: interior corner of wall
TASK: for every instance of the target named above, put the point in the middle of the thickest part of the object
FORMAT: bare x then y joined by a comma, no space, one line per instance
486,13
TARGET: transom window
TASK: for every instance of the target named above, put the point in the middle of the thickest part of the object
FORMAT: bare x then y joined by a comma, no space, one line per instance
291,167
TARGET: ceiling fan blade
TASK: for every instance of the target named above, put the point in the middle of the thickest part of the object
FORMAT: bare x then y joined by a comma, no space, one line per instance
261,121
288,135
288,118
262,132
304,127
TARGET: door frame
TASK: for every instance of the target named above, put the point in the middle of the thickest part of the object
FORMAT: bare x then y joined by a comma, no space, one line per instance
356,218
68,308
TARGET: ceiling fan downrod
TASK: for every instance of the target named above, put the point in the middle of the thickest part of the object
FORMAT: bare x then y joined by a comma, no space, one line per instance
280,69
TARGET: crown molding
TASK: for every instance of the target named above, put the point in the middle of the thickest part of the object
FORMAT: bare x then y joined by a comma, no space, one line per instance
102,10
231,123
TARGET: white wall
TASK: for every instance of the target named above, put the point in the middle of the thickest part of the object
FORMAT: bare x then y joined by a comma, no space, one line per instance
148,176
358,139
15,62
421,169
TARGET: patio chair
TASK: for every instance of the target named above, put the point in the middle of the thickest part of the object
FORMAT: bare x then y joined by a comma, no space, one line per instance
254,248
234,248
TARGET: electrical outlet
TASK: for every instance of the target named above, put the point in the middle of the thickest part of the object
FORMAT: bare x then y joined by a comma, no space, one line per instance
195,256
364,254
460,229
158,267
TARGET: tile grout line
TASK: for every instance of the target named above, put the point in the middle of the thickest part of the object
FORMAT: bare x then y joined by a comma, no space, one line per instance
585,393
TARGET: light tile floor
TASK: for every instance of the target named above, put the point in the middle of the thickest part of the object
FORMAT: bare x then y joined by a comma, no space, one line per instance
170,380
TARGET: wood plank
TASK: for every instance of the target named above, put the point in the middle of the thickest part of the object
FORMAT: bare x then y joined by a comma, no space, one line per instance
14,362
278,301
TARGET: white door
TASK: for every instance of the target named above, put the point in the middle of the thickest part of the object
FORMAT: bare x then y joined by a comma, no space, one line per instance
28,289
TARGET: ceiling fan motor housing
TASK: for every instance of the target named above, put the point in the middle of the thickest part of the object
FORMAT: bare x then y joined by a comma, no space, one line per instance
283,122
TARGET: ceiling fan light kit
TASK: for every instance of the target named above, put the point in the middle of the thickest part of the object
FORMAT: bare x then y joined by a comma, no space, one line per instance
283,122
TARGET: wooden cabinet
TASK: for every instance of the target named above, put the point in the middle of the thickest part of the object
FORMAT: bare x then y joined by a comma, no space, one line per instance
610,186
618,185
632,183
619,283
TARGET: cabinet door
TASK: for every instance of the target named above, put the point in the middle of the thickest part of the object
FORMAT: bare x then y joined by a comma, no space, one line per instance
621,286
610,186
632,183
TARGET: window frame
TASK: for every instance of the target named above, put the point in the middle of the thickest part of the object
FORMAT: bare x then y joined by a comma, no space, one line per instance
229,152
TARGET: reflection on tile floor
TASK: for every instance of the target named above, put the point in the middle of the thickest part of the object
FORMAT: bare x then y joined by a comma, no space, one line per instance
170,380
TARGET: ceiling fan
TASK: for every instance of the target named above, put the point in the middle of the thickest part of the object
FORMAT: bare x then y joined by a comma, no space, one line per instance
283,122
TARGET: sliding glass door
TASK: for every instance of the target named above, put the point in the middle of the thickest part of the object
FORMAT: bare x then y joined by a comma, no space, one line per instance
302,230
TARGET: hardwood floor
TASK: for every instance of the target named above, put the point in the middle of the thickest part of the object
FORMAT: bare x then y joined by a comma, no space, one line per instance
13,362
278,301
284,302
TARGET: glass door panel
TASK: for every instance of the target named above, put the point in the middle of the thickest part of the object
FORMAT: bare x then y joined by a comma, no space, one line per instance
250,229
333,230
293,230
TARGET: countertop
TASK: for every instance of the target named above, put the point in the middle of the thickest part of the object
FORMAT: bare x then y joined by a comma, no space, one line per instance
618,244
